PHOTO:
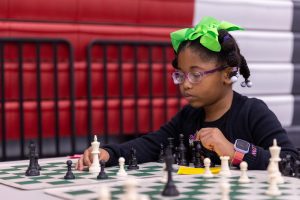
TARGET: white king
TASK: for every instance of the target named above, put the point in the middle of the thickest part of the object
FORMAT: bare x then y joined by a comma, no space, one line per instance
95,167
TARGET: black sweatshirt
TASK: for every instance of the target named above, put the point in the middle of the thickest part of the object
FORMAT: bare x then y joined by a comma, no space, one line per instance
248,118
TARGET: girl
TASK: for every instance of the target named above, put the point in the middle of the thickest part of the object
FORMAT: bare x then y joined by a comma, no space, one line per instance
207,61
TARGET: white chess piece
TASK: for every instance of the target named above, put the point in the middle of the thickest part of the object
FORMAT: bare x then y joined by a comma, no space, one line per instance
95,166
244,177
130,188
273,187
144,197
164,178
122,171
273,167
207,172
225,189
104,193
225,171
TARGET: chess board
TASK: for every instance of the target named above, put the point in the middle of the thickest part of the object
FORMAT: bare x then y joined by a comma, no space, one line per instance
53,172
190,187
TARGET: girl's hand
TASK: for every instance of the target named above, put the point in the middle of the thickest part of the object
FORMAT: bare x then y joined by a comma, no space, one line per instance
87,158
214,140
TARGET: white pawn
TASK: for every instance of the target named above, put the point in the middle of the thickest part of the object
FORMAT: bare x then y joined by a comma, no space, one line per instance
207,172
104,193
144,197
122,171
225,171
244,177
130,187
164,178
95,166
225,189
273,187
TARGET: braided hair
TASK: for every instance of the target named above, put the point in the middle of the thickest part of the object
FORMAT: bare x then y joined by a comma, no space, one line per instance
229,55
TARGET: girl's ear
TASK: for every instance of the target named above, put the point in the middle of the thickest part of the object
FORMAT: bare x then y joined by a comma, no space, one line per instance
227,75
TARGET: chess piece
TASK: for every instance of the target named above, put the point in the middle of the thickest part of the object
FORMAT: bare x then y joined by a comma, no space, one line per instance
95,167
244,177
69,174
273,187
133,161
297,168
207,172
33,168
273,166
122,172
182,152
225,189
225,170
193,158
130,188
172,147
161,157
102,174
37,161
170,188
286,165
104,193
198,155
164,178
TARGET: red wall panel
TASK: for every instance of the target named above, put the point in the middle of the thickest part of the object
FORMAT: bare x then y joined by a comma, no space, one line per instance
4,9
37,10
166,12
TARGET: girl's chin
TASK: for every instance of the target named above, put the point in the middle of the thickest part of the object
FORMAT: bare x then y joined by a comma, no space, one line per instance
196,104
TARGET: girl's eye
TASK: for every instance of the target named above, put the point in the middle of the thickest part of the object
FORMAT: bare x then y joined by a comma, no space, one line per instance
196,75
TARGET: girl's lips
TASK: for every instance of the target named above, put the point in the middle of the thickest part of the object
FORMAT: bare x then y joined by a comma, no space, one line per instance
189,97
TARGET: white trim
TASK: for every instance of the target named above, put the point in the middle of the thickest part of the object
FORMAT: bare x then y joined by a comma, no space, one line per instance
282,106
254,14
265,46
268,79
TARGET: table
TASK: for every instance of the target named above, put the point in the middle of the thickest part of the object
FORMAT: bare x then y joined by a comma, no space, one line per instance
51,185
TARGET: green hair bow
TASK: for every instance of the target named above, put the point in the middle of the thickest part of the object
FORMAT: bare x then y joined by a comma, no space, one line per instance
207,28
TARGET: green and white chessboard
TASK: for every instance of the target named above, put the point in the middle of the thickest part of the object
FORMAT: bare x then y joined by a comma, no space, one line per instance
52,175
190,187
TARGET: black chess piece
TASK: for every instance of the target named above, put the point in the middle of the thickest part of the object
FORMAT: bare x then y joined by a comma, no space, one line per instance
102,174
161,157
288,169
37,161
182,152
172,147
133,161
176,155
297,168
198,157
193,158
69,174
33,168
170,188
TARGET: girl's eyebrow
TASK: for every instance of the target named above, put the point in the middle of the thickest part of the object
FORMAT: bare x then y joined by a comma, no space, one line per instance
196,67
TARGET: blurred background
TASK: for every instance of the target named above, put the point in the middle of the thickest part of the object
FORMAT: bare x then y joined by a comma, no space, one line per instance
71,69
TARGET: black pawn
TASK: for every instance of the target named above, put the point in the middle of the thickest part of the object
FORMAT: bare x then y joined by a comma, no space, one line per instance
132,161
33,168
182,152
161,157
170,189
102,174
37,161
69,174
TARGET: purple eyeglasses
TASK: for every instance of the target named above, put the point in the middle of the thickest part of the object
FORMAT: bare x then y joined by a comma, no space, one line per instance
193,77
